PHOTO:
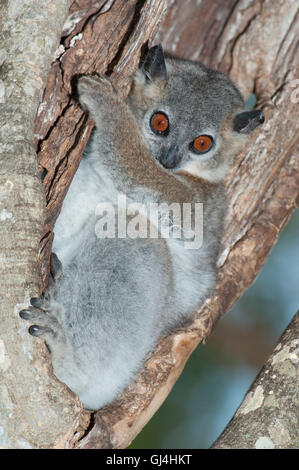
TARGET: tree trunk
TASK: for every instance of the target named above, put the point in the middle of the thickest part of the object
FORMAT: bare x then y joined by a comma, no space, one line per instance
29,36
252,41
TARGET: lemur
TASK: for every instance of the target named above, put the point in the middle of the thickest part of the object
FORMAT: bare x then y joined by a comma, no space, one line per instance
172,141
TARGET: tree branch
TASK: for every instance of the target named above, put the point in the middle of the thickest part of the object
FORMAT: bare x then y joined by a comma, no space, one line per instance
268,416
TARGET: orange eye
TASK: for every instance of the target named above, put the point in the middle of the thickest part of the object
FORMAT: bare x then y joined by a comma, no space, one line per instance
159,123
202,144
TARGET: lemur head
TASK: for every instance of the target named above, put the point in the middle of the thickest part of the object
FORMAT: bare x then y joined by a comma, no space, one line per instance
193,118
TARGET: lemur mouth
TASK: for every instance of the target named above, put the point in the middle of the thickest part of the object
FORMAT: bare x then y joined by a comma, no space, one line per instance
170,158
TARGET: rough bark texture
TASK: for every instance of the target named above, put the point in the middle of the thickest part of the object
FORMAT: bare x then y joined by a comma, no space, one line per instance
34,408
254,42
268,416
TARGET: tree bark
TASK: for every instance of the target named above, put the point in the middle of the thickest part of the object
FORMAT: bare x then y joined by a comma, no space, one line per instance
254,42
29,36
268,416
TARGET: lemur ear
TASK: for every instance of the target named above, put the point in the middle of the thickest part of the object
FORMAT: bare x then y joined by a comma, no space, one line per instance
153,65
246,122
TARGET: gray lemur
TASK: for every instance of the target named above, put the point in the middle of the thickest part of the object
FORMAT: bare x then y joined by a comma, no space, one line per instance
172,141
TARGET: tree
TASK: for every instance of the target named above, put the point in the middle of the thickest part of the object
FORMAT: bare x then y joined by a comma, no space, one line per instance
251,41
268,416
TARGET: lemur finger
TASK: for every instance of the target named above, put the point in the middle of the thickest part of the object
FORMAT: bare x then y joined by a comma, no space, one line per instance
41,332
42,302
26,314
37,302
55,267
39,316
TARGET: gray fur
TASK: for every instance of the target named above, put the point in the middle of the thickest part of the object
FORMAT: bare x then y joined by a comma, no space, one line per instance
117,297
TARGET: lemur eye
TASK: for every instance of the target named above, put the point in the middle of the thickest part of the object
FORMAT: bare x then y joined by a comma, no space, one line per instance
202,144
159,123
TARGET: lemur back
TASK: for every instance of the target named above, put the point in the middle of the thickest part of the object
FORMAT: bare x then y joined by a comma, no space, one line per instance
169,146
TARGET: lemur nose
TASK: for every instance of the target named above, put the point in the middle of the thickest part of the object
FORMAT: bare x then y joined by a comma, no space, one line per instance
170,158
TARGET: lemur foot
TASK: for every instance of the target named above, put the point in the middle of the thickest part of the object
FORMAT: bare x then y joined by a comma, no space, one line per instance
39,313
43,312
97,91
96,83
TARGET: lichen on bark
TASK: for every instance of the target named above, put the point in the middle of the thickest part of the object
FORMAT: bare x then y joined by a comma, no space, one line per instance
268,416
